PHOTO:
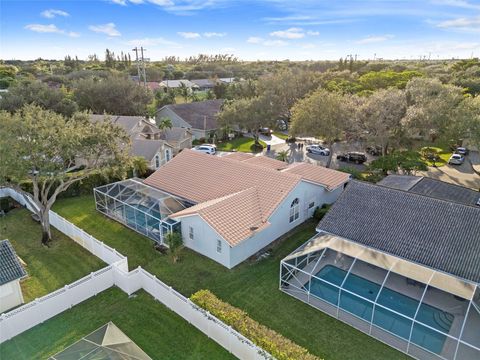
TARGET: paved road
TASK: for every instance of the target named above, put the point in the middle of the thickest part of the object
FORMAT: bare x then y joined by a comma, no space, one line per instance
455,174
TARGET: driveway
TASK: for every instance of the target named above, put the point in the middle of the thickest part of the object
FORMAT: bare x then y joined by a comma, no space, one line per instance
456,174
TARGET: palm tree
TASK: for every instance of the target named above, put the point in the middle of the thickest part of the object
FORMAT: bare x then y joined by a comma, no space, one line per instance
184,91
164,123
174,241
283,156
139,166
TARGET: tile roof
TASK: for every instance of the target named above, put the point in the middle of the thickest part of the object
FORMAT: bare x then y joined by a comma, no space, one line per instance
240,156
399,182
201,178
329,178
266,162
199,114
10,267
439,234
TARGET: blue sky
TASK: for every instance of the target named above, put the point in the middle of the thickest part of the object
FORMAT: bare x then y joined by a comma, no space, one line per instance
251,30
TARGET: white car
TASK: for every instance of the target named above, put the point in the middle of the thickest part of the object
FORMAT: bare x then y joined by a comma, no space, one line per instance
456,159
206,149
318,149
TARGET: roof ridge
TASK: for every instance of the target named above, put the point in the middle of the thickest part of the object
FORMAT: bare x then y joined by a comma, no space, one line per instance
420,195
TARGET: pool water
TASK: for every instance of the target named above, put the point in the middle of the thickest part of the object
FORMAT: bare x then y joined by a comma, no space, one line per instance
396,324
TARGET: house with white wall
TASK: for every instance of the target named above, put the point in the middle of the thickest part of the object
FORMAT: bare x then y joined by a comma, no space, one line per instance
11,272
241,204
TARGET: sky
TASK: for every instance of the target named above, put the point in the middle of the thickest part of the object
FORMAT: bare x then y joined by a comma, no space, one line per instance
250,30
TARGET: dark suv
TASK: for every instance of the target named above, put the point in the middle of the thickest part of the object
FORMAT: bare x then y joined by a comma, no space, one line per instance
355,157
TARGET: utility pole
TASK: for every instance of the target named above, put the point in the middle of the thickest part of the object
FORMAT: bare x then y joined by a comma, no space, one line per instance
143,67
138,64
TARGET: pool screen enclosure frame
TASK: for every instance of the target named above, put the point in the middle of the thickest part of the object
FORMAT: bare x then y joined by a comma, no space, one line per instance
140,207
425,313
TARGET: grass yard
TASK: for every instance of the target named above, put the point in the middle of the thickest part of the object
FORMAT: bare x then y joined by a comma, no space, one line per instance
48,268
252,287
243,144
280,135
161,333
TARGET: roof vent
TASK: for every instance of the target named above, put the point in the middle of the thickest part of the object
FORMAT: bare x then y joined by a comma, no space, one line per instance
253,228
478,202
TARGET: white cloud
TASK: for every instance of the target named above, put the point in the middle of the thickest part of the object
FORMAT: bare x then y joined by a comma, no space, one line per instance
462,24
213,34
274,43
108,29
254,40
313,33
51,13
457,3
152,42
119,2
51,28
374,39
189,35
292,33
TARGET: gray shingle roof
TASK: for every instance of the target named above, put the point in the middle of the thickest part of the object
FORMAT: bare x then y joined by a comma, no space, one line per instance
10,267
146,148
440,234
400,182
199,114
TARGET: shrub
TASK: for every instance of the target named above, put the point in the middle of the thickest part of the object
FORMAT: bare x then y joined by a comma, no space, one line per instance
321,211
277,345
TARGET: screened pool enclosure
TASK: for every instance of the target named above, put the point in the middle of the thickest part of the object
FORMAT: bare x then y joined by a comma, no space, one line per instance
140,207
425,313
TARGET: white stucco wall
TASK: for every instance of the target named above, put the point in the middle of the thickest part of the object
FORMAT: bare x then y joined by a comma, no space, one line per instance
10,295
205,237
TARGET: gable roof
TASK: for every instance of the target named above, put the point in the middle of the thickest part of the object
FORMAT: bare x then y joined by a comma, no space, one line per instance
436,233
203,82
216,183
174,134
146,148
177,83
127,122
10,267
330,178
238,155
199,114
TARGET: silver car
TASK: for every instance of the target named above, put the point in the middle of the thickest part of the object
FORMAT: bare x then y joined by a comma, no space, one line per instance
456,159
206,149
318,149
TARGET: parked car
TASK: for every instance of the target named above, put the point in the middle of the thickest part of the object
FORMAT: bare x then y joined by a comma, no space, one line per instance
211,145
353,156
317,149
265,131
374,150
456,159
462,151
207,149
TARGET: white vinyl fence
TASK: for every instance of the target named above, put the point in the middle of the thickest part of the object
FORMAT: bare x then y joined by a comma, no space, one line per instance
29,315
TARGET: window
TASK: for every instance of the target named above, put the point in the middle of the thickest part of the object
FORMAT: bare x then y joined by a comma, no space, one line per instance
311,205
219,246
190,233
294,210
157,161
168,155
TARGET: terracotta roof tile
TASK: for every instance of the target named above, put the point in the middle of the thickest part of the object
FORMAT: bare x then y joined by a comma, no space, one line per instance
240,156
329,178
267,162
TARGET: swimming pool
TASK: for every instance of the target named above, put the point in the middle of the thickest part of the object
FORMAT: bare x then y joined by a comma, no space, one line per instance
383,318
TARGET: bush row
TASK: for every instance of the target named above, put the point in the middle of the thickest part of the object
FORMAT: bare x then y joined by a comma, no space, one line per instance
277,345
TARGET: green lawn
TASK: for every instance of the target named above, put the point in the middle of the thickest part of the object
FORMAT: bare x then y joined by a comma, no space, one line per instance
280,135
48,268
161,333
243,144
252,287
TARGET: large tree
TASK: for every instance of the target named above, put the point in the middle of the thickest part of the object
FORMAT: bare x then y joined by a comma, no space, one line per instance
37,92
115,95
322,114
43,147
248,114
380,117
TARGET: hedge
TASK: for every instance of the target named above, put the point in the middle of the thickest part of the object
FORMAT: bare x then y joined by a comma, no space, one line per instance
277,345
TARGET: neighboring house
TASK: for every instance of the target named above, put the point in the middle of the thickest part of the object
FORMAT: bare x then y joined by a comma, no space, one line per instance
11,272
175,84
226,80
398,265
178,138
153,85
145,137
204,84
242,206
433,188
199,117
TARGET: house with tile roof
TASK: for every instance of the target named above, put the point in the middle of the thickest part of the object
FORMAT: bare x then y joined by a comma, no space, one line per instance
199,117
239,206
398,261
11,272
